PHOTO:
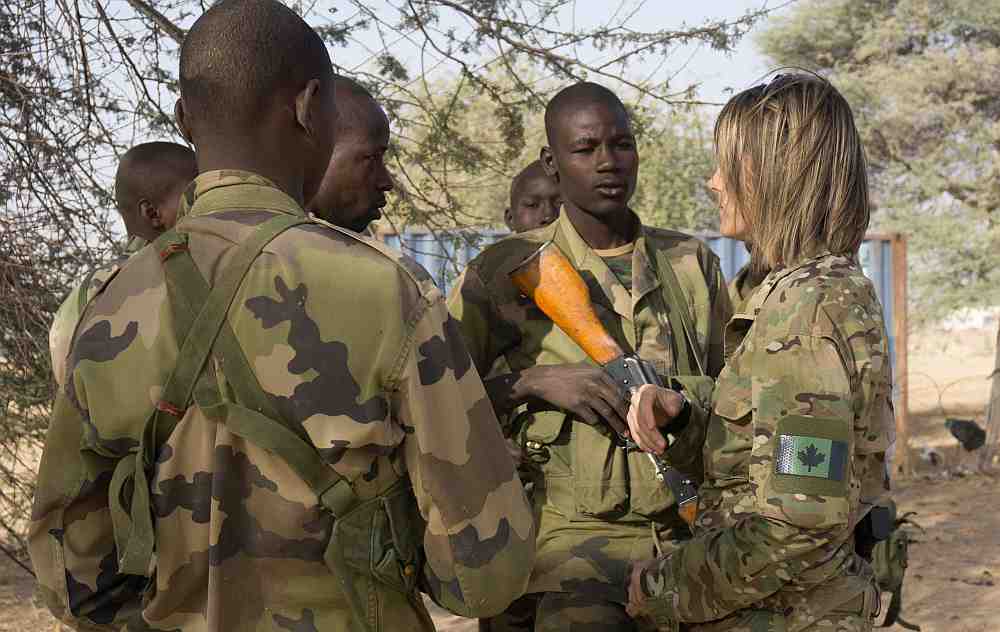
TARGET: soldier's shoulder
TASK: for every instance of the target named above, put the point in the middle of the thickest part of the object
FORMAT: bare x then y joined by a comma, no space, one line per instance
356,258
833,290
499,258
824,279
677,244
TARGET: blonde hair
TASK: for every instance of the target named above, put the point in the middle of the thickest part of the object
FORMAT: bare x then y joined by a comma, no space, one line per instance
791,157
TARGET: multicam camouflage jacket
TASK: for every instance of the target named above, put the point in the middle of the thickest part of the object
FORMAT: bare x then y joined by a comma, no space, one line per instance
594,501
742,286
68,315
367,365
794,459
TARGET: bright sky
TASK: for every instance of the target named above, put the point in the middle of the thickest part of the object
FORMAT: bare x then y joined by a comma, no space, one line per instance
716,72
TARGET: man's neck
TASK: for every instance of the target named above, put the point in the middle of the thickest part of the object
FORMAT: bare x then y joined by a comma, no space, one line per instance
603,233
286,176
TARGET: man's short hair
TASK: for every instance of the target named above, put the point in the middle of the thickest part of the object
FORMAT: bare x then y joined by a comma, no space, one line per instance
241,53
576,96
151,171
355,105
532,171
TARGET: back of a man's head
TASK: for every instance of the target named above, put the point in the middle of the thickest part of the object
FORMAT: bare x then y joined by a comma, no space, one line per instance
148,185
241,54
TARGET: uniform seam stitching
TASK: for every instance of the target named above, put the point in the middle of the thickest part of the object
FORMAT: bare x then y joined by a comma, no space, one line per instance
406,348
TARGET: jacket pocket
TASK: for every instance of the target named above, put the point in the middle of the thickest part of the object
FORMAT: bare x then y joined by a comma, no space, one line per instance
600,474
729,437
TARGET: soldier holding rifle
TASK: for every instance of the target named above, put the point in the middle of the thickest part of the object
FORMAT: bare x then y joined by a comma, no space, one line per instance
598,506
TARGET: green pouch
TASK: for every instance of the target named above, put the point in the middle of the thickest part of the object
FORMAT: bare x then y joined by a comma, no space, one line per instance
539,430
380,538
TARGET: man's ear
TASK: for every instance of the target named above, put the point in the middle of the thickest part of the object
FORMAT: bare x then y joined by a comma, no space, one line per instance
548,160
305,102
508,218
151,215
180,116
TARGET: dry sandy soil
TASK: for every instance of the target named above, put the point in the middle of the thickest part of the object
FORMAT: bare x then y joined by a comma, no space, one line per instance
953,583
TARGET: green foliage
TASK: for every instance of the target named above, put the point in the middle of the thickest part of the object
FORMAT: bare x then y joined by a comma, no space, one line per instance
921,76
676,160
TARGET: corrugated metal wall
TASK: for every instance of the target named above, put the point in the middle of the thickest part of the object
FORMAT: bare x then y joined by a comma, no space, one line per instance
444,255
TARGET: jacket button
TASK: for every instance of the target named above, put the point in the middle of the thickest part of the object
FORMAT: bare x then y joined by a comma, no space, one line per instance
409,570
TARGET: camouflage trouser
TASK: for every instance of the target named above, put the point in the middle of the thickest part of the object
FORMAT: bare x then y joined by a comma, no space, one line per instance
753,622
856,616
578,613
563,612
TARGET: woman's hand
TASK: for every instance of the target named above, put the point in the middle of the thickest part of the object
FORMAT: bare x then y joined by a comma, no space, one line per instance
653,408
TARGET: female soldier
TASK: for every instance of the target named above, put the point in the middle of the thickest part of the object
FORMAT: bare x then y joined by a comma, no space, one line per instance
801,416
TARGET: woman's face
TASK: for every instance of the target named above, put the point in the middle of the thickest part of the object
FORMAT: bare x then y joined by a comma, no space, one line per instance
731,222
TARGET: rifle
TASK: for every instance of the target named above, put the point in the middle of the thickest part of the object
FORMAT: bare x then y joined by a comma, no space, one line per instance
548,278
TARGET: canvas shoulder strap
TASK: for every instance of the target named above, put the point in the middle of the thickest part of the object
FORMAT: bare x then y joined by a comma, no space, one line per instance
200,322
689,356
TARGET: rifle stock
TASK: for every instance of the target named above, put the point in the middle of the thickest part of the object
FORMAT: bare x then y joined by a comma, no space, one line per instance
551,281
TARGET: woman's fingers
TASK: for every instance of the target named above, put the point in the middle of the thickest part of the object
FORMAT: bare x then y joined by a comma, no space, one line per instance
642,419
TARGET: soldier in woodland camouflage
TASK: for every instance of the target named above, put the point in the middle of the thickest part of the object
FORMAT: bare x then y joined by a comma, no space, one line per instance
353,190
801,416
332,347
148,187
598,507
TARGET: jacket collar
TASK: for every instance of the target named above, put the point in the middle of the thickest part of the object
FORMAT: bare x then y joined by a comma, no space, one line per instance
584,259
753,304
228,189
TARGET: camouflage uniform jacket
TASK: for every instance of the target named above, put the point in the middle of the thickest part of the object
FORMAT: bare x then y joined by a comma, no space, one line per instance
741,288
367,362
794,455
594,502
68,315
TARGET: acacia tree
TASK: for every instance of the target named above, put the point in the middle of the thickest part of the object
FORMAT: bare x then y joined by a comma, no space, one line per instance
923,78
83,80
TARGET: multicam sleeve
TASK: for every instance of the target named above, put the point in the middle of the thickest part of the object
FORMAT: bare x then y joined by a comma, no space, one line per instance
480,538
800,468
70,539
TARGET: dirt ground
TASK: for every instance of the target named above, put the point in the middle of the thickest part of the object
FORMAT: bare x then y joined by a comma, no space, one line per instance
953,582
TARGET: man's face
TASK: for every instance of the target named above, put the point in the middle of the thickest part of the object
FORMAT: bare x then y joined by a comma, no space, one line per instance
595,158
535,204
353,190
